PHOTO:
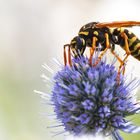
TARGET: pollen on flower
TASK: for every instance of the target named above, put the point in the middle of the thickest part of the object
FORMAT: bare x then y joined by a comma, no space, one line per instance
88,100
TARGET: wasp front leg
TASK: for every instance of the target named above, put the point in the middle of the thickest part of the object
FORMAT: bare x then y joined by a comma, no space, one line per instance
107,47
92,49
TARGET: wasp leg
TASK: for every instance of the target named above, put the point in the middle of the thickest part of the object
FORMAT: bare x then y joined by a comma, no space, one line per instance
92,49
128,52
118,58
121,64
107,47
69,55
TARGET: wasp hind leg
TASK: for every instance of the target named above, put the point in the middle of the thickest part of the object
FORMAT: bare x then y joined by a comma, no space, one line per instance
122,62
69,55
107,47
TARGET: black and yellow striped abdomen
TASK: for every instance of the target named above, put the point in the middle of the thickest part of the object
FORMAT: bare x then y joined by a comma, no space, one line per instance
133,42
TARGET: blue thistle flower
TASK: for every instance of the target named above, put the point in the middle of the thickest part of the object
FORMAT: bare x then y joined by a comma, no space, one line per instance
88,100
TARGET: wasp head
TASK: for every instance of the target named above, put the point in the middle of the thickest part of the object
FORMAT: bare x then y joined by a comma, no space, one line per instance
78,46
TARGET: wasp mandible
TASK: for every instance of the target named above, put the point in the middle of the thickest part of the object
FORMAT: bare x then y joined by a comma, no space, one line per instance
107,35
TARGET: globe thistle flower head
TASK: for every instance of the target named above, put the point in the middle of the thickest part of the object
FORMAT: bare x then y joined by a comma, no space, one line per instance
88,100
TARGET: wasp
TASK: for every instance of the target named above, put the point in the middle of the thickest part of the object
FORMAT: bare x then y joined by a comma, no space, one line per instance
106,35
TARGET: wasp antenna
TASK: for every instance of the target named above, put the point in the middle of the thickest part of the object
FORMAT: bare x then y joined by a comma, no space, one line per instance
65,55
69,56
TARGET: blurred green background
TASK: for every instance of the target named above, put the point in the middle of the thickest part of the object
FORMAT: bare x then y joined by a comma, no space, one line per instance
33,32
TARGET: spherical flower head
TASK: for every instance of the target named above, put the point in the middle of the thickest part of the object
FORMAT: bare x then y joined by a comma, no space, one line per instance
89,100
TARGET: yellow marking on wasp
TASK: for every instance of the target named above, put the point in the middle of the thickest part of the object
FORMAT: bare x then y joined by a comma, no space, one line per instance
133,39
111,30
73,42
83,41
96,33
81,50
72,49
120,29
137,54
135,47
129,33
83,33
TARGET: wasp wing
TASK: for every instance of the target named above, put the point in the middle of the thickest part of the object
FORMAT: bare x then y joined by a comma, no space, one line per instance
118,24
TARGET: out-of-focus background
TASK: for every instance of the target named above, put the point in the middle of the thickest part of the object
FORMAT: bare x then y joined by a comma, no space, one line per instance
33,32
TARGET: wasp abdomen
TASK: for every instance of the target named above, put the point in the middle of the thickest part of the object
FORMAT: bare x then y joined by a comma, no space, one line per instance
133,41
134,44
